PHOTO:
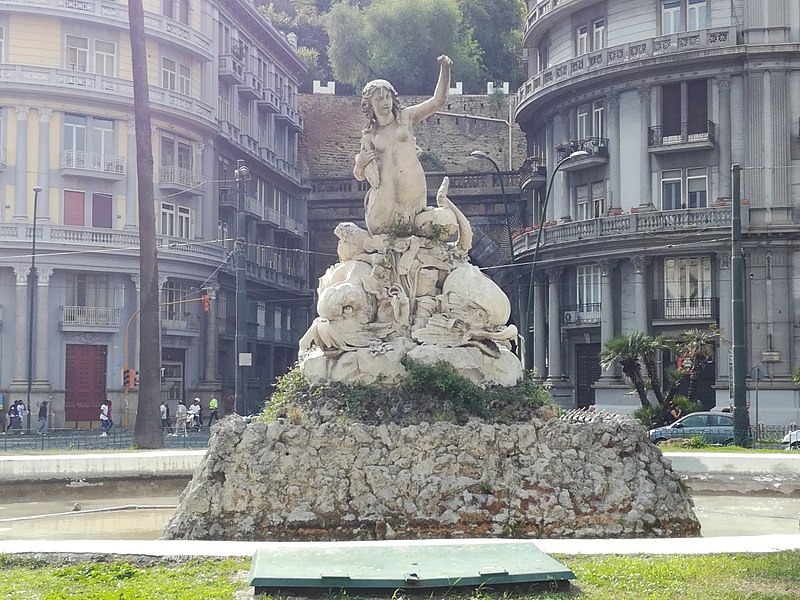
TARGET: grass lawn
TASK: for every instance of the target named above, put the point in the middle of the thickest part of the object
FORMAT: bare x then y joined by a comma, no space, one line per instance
729,576
728,449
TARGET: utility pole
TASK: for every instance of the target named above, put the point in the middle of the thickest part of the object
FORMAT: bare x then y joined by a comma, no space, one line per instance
242,175
739,375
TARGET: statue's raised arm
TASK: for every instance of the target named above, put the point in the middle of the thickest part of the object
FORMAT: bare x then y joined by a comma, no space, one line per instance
388,155
422,111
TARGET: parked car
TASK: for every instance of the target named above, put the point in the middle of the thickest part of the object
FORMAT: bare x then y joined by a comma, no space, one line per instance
715,427
792,440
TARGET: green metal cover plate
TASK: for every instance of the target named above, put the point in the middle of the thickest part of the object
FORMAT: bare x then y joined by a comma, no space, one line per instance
402,564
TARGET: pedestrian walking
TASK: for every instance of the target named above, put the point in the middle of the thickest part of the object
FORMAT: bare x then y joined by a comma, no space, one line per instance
12,417
21,412
105,417
43,405
213,408
164,412
181,416
196,410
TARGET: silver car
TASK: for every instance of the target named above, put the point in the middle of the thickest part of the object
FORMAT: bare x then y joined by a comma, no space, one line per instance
715,427
792,440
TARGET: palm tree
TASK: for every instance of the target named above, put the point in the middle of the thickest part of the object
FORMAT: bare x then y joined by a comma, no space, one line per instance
697,346
652,346
627,351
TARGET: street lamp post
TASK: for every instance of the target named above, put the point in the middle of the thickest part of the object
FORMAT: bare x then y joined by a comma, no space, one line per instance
527,333
242,175
33,283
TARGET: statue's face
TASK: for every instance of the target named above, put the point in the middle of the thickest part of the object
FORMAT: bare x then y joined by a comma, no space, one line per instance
382,101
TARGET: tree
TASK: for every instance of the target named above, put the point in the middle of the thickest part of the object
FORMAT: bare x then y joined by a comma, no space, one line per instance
399,40
697,347
497,27
651,347
627,350
147,431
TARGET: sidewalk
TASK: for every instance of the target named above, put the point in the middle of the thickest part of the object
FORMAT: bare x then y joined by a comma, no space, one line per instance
181,548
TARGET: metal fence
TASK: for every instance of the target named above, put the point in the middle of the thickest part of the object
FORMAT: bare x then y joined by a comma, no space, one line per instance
90,439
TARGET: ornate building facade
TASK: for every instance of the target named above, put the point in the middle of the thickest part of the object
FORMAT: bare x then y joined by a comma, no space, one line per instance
223,87
650,102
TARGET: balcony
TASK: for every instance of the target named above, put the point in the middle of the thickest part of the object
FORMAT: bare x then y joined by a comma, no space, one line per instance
532,174
227,198
180,325
182,180
251,89
269,101
605,230
685,309
290,117
691,136
264,333
94,318
595,147
633,56
292,225
253,207
231,69
115,14
78,162
581,314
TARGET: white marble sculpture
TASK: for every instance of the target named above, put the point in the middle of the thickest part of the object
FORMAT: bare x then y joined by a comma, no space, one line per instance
404,286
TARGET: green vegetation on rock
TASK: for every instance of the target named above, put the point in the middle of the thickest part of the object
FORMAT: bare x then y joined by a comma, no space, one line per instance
429,393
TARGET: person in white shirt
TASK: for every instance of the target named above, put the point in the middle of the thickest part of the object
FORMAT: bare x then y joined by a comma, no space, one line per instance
197,414
105,417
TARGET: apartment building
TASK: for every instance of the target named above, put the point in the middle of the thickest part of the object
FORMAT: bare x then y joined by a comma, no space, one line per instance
223,87
644,105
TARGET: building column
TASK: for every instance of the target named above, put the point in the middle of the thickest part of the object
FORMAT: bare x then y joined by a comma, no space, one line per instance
43,341
552,157
724,137
131,183
539,325
21,168
640,266
560,200
725,291
646,182
44,164
210,194
607,328
21,324
614,132
212,338
554,372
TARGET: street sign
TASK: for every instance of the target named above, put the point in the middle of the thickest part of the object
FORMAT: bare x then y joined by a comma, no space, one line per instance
245,359
757,374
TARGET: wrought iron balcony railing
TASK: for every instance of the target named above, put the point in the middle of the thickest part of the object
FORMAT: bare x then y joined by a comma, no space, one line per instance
688,133
593,146
92,161
90,316
588,312
685,308
183,178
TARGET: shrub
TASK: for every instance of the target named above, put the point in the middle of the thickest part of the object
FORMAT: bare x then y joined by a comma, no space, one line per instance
697,441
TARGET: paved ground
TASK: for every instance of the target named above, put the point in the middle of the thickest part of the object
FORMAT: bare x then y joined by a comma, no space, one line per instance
166,548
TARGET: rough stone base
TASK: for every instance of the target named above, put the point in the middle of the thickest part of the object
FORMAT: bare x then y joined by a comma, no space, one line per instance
341,481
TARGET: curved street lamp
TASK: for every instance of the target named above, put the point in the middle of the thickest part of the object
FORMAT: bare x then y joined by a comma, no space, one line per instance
527,332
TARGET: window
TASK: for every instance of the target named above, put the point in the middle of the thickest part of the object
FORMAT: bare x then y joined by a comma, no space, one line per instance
582,122
598,122
74,208
169,73
176,9
77,53
105,58
102,211
588,288
184,80
598,34
176,221
672,186
176,152
2,44
683,15
102,136
172,296
75,133
687,278
671,17
697,188
671,190
582,40
590,200
696,15
88,143
88,289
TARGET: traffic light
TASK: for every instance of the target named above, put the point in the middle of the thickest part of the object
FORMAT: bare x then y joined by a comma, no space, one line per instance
206,303
126,379
134,379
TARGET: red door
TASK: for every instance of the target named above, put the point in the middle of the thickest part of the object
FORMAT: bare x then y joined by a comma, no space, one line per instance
85,382
73,208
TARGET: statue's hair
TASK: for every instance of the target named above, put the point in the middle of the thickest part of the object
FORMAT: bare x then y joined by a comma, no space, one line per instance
369,89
